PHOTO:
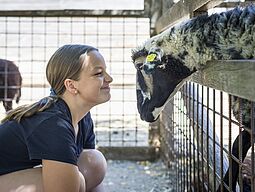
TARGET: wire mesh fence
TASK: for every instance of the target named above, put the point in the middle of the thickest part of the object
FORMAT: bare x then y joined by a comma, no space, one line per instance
30,41
207,139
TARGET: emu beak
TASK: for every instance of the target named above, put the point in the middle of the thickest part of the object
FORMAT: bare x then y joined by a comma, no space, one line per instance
143,107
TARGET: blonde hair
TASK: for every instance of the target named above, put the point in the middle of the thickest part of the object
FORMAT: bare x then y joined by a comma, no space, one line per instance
65,63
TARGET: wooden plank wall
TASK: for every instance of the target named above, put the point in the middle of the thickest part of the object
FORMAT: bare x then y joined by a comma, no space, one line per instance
173,13
236,83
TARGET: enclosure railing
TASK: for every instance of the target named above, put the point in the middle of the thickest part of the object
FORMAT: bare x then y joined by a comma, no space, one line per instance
29,38
205,131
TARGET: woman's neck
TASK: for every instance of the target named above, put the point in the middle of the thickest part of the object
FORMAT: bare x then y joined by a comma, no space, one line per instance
78,111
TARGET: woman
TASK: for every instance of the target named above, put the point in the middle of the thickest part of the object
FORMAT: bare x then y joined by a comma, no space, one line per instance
49,146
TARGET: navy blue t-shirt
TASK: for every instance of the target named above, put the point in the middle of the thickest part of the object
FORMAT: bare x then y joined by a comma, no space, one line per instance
45,135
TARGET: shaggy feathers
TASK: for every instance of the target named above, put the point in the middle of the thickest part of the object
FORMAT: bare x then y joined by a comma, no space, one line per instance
228,35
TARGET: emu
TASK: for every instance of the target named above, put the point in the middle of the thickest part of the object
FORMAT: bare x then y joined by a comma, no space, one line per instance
10,83
167,60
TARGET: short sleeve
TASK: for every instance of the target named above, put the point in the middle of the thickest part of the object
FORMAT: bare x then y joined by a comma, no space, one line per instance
53,139
87,127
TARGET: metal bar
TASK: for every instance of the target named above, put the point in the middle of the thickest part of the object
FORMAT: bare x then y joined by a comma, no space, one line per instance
221,135
207,136
252,146
230,144
214,149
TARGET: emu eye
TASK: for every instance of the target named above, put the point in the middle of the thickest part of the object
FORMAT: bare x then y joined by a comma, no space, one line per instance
161,66
139,66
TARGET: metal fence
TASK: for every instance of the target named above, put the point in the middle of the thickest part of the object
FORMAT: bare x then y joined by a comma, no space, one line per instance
200,138
29,41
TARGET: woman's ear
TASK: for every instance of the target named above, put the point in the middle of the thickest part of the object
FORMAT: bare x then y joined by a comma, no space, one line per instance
71,86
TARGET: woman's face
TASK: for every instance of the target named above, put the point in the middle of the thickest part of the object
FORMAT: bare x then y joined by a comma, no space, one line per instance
93,84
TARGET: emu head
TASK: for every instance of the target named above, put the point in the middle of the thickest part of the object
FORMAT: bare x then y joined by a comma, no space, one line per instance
159,76
165,61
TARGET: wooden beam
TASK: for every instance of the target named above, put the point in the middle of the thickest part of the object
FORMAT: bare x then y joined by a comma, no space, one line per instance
187,9
68,13
234,4
9,5
69,8
180,11
135,153
174,15
235,77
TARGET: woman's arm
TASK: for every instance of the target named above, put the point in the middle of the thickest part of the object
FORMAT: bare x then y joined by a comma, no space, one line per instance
61,177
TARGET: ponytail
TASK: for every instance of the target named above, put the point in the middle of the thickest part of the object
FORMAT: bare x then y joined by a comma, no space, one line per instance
29,110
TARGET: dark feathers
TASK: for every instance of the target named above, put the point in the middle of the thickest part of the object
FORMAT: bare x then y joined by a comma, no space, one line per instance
10,83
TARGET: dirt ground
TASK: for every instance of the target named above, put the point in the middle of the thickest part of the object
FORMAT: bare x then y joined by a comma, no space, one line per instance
143,176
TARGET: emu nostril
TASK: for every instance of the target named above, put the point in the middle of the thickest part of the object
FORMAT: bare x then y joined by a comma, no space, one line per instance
148,70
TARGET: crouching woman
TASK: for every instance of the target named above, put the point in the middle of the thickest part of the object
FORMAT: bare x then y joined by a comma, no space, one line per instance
49,146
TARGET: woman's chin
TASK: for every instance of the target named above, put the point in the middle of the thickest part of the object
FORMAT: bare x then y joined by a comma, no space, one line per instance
109,97
106,97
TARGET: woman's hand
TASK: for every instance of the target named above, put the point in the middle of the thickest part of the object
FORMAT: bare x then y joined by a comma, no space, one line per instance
61,177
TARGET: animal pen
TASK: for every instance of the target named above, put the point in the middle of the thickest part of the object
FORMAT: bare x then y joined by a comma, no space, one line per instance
196,131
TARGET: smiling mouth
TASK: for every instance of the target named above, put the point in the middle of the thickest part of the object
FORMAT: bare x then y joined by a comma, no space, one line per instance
106,88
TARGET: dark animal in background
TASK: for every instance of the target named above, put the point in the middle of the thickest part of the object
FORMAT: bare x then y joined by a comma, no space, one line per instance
164,62
10,83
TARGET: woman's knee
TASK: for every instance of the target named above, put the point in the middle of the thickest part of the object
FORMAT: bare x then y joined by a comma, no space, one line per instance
82,183
92,164
25,180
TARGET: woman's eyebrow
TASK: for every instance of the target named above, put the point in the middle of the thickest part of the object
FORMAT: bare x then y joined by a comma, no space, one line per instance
97,67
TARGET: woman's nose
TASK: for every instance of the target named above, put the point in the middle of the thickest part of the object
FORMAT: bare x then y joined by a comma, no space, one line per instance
108,78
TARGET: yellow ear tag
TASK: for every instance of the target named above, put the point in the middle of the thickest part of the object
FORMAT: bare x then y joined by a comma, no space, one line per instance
151,57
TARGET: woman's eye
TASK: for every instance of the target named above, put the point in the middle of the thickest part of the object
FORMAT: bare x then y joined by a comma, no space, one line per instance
99,74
